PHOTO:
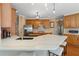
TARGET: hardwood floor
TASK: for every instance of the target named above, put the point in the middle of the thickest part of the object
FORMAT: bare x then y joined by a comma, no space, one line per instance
72,50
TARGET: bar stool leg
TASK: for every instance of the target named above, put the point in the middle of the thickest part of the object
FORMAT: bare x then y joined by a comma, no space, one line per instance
48,53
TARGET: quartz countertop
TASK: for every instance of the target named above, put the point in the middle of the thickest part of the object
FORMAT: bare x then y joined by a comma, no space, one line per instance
44,42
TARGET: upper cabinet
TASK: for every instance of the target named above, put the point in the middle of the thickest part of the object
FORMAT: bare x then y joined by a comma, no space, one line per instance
71,21
77,20
6,15
34,22
67,21
46,23
38,22
29,22
13,21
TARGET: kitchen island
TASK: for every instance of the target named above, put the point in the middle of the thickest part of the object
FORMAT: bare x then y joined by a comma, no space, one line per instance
44,42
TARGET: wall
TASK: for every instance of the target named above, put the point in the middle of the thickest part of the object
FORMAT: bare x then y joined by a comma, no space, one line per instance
55,29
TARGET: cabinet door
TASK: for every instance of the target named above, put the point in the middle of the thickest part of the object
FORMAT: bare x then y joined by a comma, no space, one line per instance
36,23
77,20
13,22
77,41
29,22
6,15
73,39
67,22
45,23
73,21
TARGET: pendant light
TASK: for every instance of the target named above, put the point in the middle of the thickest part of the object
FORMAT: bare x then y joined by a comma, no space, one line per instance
54,8
37,14
46,5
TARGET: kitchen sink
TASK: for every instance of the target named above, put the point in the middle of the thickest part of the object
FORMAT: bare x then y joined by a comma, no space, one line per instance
24,39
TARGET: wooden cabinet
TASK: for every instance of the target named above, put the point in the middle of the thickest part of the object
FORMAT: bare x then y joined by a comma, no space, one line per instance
77,20
71,21
34,22
72,50
29,22
13,21
37,22
67,22
72,45
45,23
6,15
73,39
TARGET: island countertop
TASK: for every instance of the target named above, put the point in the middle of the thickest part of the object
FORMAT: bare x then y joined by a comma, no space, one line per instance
44,42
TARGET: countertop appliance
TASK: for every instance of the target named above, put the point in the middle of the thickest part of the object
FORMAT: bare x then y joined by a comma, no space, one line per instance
73,31
28,28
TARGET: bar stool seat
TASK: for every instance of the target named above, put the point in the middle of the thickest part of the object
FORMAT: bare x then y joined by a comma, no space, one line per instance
57,52
64,44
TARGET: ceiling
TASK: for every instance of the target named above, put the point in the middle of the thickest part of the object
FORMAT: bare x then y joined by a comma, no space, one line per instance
29,9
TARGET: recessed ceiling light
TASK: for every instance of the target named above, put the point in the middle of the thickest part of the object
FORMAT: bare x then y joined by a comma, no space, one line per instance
54,11
45,4
32,3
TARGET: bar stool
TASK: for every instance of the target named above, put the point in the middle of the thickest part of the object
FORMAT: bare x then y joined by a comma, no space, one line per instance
60,51
64,45
57,52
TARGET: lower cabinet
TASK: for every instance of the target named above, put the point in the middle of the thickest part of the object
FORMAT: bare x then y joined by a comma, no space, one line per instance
73,39
72,45
72,50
